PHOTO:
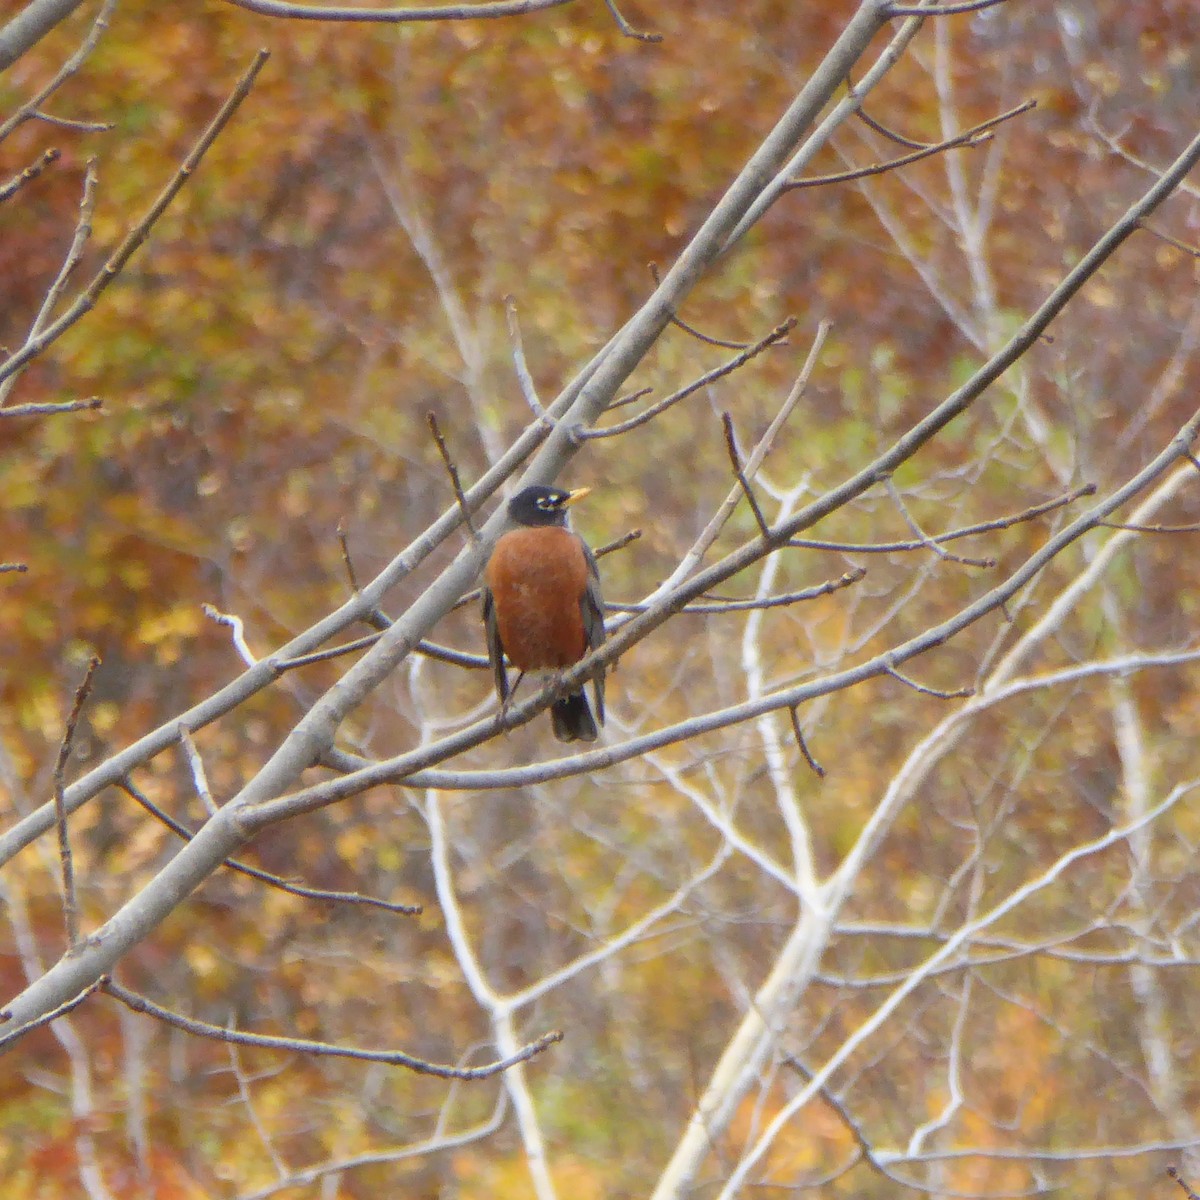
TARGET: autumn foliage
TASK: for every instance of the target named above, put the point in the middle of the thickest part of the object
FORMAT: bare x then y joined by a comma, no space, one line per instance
401,219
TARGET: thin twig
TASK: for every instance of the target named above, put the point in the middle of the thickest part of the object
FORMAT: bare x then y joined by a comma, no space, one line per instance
282,1170
239,631
347,561
452,12
1173,1172
627,29
926,541
1186,247
452,471
946,10
776,336
883,130
736,462
616,544
28,110
709,534
455,658
817,769
1028,514
633,397
31,172
866,1154
969,138
307,660
51,410
423,1149
70,907
958,694
446,654
396,1058
71,123
52,1015
86,300
780,601
678,321
1149,528
199,775
524,378
276,881
83,231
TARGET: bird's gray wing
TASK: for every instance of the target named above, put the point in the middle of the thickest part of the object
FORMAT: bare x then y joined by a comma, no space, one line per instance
494,647
592,606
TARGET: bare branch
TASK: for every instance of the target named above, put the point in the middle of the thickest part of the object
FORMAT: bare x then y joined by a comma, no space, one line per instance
735,461
627,29
679,323
30,172
199,775
883,130
780,600
816,768
238,628
1179,1179
83,231
27,28
413,766
347,561
70,123
422,1149
70,907
395,1058
16,1034
1162,235
958,694
1012,901
524,378
86,299
969,138
925,540
1130,528
51,410
452,471
776,336
945,10
284,885
1028,514
450,12
633,397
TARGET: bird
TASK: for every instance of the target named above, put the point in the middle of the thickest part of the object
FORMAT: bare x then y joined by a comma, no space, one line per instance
542,604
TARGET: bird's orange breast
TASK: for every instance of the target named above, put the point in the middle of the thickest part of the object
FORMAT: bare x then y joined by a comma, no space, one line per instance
538,578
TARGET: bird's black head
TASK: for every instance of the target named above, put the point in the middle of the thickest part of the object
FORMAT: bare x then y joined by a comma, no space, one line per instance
541,505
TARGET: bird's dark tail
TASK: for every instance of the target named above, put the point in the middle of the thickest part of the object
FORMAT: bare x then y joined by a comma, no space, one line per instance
572,718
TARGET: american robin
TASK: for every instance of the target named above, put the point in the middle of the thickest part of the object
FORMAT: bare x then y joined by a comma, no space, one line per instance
542,603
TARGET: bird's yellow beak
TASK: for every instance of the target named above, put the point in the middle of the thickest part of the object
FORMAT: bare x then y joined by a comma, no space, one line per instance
577,494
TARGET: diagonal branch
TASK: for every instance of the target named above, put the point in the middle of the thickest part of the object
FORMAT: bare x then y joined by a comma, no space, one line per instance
70,909
86,300
969,138
28,28
449,12
284,885
775,337
395,1058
